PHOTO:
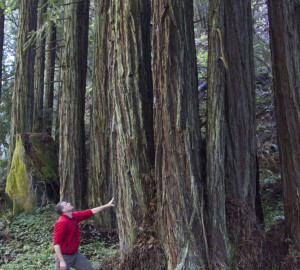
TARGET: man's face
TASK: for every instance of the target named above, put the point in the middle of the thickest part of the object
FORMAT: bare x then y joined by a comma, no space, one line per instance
66,207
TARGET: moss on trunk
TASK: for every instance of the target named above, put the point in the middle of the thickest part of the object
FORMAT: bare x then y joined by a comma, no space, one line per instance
33,178
17,185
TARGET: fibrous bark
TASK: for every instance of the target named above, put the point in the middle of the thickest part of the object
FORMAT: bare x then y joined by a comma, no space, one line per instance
231,145
49,79
132,124
177,136
22,103
72,103
100,180
215,169
39,68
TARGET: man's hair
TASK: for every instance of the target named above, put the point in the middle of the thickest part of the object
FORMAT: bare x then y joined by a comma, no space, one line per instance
59,208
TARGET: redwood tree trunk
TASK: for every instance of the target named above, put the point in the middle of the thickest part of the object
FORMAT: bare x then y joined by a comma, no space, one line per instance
132,140
49,79
22,103
39,68
240,127
177,135
100,180
215,142
286,64
231,145
32,53
72,102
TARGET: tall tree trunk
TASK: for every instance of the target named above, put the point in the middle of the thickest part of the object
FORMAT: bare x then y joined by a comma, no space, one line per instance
215,142
132,124
285,59
59,91
22,104
39,68
49,79
100,181
72,102
177,135
2,17
240,128
231,145
32,53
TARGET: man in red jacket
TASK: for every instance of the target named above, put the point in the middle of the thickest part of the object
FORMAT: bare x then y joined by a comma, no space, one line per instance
66,236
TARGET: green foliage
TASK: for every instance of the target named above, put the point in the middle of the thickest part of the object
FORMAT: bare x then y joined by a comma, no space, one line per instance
271,192
202,56
30,247
8,5
27,243
53,13
262,54
273,213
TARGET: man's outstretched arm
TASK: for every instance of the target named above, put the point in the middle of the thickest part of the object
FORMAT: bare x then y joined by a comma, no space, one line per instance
100,208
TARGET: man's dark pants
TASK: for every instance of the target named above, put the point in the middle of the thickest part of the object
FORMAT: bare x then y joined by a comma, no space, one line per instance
76,260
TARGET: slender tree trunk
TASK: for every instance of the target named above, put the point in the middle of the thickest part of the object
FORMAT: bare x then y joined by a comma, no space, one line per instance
22,103
33,5
215,141
284,21
49,79
231,145
177,136
59,91
72,102
100,181
2,17
240,128
39,68
132,140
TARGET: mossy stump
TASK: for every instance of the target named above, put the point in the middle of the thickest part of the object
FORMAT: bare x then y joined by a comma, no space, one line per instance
33,178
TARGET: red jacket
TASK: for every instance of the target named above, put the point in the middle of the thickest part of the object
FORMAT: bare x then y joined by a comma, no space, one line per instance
66,231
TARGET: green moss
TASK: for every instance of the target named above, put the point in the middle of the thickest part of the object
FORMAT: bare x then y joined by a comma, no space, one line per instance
134,235
46,168
18,182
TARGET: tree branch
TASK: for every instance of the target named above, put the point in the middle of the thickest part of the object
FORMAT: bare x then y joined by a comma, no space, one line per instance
52,82
7,77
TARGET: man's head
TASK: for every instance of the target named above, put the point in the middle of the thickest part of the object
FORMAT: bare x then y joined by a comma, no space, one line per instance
63,207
